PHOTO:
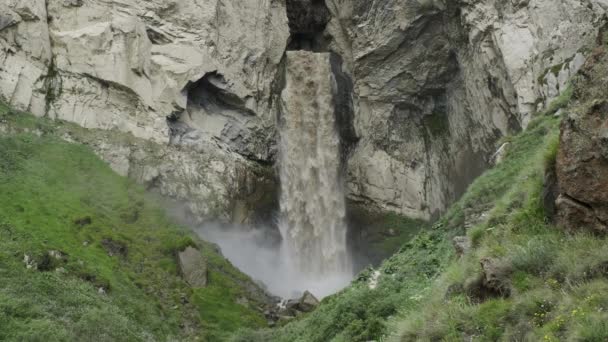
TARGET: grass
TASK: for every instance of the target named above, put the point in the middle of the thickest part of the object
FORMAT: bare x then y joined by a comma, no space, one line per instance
420,295
551,273
558,280
384,233
56,196
361,314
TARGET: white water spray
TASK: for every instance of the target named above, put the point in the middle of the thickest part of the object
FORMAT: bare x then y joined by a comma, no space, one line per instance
313,209
313,253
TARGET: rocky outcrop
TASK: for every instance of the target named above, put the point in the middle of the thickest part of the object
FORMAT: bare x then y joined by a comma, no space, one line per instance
306,303
430,85
195,76
493,282
438,82
290,309
193,267
582,161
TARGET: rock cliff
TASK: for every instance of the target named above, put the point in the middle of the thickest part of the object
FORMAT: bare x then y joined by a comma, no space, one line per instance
192,77
438,82
433,85
581,168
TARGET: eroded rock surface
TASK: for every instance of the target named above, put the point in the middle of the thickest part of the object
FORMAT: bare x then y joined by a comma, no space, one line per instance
433,85
582,161
193,267
438,82
197,75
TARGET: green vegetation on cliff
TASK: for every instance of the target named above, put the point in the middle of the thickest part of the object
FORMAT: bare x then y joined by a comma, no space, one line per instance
101,254
522,279
416,276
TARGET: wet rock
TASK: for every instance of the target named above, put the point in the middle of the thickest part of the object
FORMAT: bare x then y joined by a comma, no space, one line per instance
308,302
193,267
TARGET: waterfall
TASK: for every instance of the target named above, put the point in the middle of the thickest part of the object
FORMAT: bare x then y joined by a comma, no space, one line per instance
312,202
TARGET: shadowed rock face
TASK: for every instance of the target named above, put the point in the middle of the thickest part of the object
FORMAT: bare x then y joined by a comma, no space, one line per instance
344,110
307,16
437,83
582,160
307,21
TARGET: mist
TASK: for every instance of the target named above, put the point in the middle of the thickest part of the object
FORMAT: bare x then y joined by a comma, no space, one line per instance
259,252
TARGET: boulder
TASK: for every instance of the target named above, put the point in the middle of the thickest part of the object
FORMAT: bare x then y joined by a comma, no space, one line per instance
293,307
492,282
193,267
308,302
495,276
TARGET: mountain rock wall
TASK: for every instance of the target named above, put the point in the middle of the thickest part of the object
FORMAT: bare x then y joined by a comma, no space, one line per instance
439,82
434,84
580,202
195,75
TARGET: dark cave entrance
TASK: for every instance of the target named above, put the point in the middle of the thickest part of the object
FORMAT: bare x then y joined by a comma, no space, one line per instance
307,22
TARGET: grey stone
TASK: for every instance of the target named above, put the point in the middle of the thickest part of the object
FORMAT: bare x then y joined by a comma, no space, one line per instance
434,85
193,267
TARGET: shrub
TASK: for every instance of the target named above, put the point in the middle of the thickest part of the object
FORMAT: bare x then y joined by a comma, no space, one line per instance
537,256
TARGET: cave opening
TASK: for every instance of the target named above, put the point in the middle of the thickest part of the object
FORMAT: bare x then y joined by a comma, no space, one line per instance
307,22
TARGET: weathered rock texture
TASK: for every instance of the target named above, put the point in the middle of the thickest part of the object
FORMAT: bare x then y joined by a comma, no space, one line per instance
194,74
435,83
438,82
582,161
193,267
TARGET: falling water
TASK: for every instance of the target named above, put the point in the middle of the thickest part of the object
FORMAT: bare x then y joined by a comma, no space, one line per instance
312,196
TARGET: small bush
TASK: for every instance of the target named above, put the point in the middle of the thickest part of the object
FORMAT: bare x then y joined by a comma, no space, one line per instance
593,328
536,257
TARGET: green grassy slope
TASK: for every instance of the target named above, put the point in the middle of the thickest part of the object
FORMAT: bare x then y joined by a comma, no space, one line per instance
558,282
409,279
56,196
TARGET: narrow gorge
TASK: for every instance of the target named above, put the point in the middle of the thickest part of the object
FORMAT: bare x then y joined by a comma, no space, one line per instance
303,170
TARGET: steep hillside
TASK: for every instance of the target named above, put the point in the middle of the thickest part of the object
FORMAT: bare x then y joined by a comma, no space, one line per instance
86,255
526,279
515,277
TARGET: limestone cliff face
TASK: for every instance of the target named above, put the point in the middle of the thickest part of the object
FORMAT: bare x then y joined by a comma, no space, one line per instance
438,82
434,85
195,75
